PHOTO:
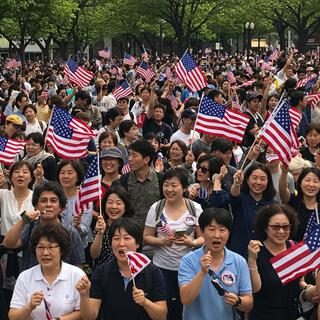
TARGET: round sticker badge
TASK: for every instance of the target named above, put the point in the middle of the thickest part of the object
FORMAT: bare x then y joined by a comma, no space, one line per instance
190,220
228,278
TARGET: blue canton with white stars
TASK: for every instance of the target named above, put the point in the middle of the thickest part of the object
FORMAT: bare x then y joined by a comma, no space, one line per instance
211,108
60,122
313,241
93,168
188,62
3,143
283,117
72,66
312,223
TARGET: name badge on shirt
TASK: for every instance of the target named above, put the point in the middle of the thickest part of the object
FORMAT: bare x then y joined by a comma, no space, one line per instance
228,278
190,220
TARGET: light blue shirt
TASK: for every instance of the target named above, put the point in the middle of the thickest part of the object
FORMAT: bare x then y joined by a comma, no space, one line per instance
233,275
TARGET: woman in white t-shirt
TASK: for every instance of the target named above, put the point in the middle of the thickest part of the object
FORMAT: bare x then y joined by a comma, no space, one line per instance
172,229
32,123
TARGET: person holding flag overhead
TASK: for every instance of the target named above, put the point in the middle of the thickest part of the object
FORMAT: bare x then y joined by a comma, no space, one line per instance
127,287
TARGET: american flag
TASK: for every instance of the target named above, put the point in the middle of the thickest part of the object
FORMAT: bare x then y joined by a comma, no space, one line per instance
215,120
313,99
295,116
123,90
126,168
47,308
13,63
278,132
190,74
274,55
266,66
65,80
98,63
300,259
68,136
136,262
312,222
105,53
90,188
168,73
230,77
9,148
247,84
304,82
77,74
145,56
142,69
165,228
235,104
272,157
129,60
149,75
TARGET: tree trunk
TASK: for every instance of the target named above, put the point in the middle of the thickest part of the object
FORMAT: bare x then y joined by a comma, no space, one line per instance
279,25
303,37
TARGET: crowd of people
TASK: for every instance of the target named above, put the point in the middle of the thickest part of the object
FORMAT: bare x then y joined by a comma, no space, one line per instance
209,212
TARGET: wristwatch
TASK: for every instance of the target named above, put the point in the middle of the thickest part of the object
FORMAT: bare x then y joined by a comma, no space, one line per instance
238,303
25,218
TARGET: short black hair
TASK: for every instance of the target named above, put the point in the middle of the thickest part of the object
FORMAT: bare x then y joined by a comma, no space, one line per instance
82,95
159,106
18,165
125,127
302,175
270,191
221,144
36,137
264,215
49,186
123,195
214,93
214,163
220,215
152,136
76,165
133,228
54,232
29,106
313,127
112,114
105,135
181,174
143,147
296,97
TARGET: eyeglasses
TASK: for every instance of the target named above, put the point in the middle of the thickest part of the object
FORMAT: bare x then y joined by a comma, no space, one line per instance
50,248
277,227
203,169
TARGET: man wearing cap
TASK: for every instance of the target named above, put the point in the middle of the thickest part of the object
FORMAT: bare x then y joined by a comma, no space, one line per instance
256,121
186,132
13,124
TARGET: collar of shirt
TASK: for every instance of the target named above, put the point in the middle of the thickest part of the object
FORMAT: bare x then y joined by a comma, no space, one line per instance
63,275
149,177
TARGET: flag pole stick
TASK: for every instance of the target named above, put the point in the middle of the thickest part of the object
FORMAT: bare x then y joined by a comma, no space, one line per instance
49,124
132,277
246,157
193,131
99,196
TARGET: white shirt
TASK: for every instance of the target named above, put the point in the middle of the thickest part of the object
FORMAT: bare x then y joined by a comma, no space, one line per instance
61,295
35,127
169,257
186,138
10,214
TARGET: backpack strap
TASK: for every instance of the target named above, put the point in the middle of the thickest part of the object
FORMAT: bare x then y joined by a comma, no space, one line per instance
131,116
159,208
190,206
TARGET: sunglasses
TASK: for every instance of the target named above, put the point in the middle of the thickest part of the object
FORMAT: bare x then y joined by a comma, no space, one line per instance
278,227
203,169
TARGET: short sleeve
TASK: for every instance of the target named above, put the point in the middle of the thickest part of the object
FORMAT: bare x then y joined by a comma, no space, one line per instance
151,216
186,271
158,285
198,211
19,297
96,291
245,282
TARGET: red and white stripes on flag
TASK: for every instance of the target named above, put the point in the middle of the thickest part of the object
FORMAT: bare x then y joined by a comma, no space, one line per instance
47,308
231,78
126,168
165,228
90,188
190,74
129,59
313,99
149,75
123,90
13,63
137,262
214,119
9,148
105,53
78,74
303,82
295,116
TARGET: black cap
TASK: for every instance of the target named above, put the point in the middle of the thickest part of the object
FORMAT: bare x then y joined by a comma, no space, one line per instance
189,113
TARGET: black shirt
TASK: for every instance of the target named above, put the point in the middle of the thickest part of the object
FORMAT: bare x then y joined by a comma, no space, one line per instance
254,120
274,301
163,131
108,285
307,155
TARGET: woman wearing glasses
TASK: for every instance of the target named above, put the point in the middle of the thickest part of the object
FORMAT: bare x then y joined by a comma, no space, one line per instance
274,226
47,291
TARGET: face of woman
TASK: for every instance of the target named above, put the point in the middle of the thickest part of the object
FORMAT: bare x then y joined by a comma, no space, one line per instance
21,177
115,207
145,95
313,138
110,165
310,185
33,148
155,144
116,122
176,153
132,134
278,229
30,114
68,176
203,171
107,143
48,253
257,181
172,189
121,243
272,103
